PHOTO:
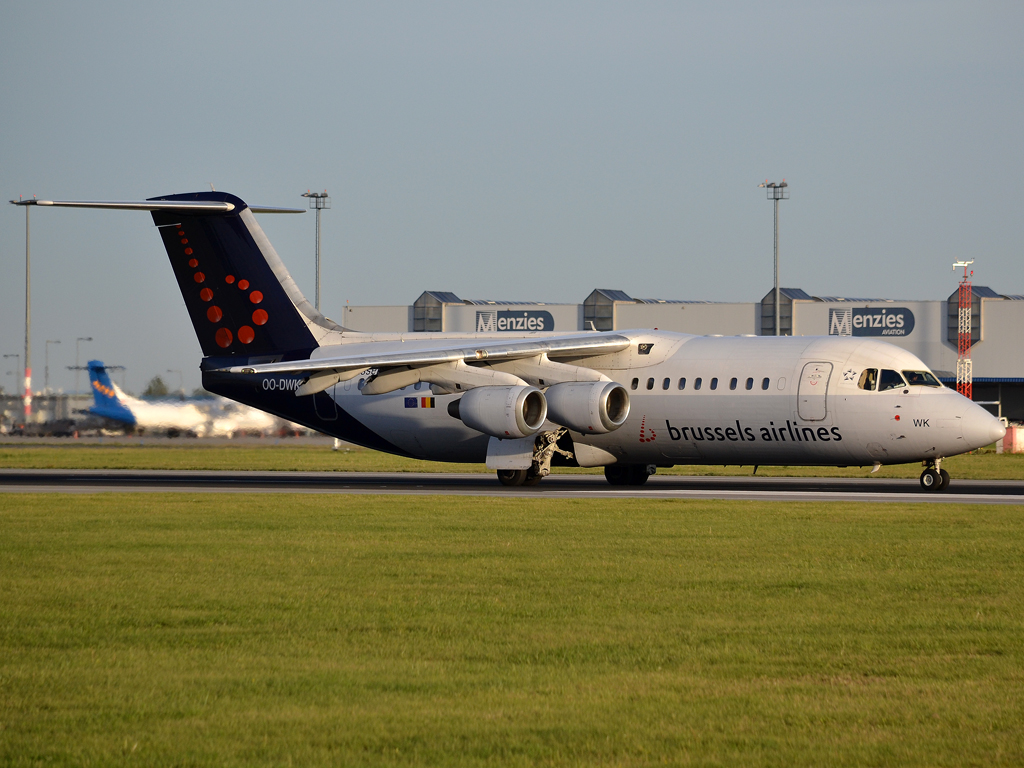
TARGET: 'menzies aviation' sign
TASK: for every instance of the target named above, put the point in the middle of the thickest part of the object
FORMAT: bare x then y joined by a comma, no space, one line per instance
870,321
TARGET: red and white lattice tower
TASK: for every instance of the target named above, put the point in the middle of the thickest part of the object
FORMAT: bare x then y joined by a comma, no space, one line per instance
964,373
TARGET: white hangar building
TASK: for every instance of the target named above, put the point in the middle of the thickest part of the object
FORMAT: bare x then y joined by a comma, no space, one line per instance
926,328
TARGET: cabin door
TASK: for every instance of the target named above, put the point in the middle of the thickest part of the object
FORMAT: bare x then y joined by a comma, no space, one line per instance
811,395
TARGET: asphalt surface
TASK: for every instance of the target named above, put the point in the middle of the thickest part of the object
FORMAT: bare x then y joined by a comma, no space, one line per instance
873,490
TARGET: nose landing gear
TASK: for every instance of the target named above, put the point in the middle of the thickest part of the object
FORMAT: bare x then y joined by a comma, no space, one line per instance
934,479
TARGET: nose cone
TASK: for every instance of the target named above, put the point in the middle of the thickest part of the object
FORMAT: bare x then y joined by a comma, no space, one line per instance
981,428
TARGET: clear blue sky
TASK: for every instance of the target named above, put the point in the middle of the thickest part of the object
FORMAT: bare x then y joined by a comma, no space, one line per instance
527,151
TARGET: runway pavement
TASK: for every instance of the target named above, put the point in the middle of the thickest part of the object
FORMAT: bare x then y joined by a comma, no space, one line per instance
873,490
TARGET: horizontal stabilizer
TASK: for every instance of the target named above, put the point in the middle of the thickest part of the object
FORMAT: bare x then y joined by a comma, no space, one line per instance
140,205
208,206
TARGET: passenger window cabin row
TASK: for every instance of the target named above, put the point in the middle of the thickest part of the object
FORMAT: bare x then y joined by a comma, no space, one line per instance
666,383
870,380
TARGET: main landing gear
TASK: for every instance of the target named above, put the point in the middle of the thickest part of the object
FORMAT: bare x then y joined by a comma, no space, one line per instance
544,448
629,474
934,479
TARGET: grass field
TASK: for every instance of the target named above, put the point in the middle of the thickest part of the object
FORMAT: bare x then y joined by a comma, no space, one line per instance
279,630
985,465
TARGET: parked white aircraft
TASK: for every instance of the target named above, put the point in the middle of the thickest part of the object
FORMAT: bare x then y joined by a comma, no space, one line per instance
630,401
216,418
111,403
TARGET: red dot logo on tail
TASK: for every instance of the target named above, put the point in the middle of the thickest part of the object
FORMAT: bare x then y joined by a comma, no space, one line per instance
224,338
260,317
246,334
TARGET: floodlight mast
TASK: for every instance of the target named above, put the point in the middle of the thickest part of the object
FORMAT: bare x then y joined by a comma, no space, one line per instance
776,192
28,308
318,201
964,366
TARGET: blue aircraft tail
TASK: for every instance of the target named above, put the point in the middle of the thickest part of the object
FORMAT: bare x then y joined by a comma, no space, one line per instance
105,400
239,295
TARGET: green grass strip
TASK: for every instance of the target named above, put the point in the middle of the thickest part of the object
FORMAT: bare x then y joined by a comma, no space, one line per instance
173,629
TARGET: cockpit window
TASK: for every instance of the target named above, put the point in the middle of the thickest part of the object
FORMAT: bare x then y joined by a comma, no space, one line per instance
868,379
890,380
922,378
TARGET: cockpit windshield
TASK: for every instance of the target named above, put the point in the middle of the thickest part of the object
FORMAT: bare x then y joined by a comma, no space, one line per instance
890,380
922,378
868,379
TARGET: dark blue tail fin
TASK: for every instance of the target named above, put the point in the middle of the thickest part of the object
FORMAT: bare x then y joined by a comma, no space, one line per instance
105,400
240,297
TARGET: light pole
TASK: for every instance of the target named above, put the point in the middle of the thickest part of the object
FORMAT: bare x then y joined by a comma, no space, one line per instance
17,367
78,341
28,309
46,368
776,192
318,201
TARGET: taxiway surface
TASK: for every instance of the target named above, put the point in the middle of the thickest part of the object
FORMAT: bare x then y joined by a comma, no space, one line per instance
874,490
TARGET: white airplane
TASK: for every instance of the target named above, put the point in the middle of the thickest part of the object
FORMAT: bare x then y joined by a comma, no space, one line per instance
110,402
221,418
630,401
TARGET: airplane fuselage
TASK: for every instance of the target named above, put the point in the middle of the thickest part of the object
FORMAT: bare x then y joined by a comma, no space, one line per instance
693,400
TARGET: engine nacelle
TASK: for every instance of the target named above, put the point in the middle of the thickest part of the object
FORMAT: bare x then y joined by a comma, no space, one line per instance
506,412
589,407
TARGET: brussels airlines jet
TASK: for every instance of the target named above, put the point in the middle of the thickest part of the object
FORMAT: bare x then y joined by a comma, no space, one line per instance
630,401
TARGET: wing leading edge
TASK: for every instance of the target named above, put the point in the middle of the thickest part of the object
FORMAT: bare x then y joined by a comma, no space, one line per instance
459,360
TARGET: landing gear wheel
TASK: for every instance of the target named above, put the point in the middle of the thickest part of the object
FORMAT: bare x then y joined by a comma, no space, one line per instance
627,474
511,477
616,474
638,474
943,480
532,478
931,481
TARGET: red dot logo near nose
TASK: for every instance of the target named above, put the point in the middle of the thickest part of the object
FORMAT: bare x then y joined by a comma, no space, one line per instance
243,284
246,334
260,317
206,294
255,297
214,314
223,337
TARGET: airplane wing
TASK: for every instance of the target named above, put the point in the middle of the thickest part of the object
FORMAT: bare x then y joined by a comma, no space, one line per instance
454,354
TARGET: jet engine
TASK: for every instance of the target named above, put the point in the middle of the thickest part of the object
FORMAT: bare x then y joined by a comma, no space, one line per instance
506,412
589,407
